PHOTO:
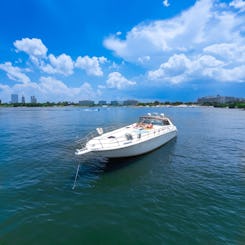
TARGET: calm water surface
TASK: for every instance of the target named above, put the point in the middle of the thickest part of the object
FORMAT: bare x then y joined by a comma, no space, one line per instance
190,191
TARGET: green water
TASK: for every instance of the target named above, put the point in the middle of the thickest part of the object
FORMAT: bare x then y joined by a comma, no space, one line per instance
190,191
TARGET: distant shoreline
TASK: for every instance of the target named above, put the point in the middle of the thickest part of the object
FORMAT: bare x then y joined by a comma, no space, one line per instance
235,105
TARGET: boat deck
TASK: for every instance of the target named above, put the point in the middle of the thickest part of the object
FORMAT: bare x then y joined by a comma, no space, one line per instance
129,135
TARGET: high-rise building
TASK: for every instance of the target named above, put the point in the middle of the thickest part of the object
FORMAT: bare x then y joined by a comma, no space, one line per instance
33,99
14,98
23,101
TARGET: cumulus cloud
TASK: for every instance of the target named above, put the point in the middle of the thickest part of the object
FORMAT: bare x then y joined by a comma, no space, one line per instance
158,38
231,52
62,64
49,89
238,4
166,3
31,46
14,73
117,80
191,31
55,88
52,85
91,64
37,52
180,68
206,32
144,59
205,41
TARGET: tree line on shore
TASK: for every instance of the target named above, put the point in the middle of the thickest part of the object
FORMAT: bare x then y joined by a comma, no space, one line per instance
66,103
155,103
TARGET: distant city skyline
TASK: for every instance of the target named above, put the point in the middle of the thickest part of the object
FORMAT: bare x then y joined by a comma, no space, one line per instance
200,100
15,99
105,50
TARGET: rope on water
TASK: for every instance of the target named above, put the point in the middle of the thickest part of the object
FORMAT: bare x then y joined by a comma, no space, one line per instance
75,181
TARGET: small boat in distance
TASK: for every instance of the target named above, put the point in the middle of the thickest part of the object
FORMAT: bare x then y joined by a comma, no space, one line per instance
149,133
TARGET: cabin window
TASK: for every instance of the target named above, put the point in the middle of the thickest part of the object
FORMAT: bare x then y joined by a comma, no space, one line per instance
157,122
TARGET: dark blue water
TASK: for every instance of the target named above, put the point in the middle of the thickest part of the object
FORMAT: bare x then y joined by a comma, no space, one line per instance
190,191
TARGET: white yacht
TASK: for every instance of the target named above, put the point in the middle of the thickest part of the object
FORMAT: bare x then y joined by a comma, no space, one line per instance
149,133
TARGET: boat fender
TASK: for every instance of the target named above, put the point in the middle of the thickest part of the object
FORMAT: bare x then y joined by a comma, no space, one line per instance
139,135
99,131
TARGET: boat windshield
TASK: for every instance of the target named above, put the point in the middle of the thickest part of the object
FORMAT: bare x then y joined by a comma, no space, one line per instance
154,121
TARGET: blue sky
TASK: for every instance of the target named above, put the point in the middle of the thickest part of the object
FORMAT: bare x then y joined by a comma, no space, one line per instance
114,50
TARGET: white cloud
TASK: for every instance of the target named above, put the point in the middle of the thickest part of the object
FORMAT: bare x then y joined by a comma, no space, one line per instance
205,41
5,92
91,65
231,52
159,38
180,68
238,4
144,59
174,70
196,28
62,64
31,46
235,74
37,52
26,89
49,89
166,3
177,64
54,88
117,80
14,73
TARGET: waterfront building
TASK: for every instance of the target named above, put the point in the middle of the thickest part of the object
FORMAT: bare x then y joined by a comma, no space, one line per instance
86,102
219,99
33,99
14,98
130,102
102,102
23,101
114,103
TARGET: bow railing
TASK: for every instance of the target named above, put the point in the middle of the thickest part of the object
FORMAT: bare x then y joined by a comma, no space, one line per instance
112,141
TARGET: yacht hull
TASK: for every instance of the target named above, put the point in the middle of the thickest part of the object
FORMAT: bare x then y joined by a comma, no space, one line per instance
140,148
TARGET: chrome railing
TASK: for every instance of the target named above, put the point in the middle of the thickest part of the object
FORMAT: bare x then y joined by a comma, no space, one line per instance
82,142
137,136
